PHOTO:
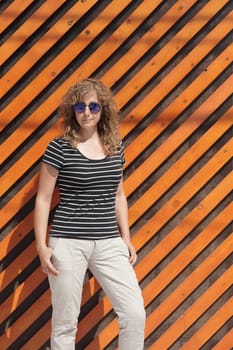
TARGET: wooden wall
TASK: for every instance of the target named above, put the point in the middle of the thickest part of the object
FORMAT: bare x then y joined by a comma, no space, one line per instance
169,64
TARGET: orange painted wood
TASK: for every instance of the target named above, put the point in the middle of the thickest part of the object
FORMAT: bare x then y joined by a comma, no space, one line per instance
162,123
214,323
174,268
165,246
20,198
210,327
182,292
152,36
225,343
150,229
12,12
104,306
19,264
177,74
165,182
181,199
183,229
192,91
160,251
175,140
152,131
57,65
149,165
22,229
177,234
10,110
24,321
197,181
21,293
16,235
178,200
27,28
178,41
195,311
27,61
173,300
218,97
61,27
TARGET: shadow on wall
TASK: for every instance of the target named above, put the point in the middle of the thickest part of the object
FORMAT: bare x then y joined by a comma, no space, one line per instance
25,295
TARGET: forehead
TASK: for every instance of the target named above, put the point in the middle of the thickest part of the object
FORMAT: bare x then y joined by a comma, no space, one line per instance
90,96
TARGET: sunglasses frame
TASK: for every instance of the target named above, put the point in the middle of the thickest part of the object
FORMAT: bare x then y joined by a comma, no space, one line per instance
94,107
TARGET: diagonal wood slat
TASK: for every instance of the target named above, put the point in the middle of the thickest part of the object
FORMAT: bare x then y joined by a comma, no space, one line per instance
169,64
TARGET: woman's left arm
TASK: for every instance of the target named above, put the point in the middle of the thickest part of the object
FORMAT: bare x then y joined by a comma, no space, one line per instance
122,220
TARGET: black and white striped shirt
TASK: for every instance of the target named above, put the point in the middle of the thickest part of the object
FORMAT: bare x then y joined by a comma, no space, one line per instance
87,192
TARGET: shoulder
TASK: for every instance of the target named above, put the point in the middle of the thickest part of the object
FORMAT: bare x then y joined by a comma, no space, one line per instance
58,143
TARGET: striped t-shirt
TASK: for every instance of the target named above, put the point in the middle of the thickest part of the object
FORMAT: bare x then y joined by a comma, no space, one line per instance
87,190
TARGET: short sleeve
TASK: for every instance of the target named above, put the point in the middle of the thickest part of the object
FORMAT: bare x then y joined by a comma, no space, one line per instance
54,154
122,154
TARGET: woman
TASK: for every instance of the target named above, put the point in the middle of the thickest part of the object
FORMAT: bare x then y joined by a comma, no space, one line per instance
90,226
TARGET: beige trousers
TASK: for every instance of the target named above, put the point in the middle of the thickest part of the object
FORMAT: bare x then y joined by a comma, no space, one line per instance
108,260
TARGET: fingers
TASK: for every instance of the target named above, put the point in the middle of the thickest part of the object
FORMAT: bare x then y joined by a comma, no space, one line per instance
132,255
46,264
48,268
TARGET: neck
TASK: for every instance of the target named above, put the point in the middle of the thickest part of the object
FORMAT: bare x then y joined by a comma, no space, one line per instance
86,135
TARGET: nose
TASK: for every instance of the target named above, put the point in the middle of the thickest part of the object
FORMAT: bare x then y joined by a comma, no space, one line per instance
86,110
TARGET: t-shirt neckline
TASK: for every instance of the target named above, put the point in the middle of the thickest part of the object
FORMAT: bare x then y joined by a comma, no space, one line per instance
91,159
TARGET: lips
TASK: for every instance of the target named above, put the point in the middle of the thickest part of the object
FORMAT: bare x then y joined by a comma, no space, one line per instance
86,120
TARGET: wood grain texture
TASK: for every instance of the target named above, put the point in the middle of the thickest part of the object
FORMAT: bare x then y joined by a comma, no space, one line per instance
169,64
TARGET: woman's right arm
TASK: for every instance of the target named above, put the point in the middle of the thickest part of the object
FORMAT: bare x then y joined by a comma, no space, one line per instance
47,182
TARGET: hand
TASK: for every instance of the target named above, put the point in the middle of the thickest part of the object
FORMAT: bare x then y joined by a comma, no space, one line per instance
47,267
132,253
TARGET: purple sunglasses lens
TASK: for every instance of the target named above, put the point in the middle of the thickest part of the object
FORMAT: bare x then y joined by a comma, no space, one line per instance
94,107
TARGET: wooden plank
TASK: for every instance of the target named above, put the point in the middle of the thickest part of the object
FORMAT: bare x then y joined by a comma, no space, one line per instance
182,161
169,273
226,342
156,32
182,37
160,252
21,293
180,198
213,325
21,197
179,233
57,65
12,12
65,23
182,292
176,75
12,333
18,265
183,229
28,321
35,151
27,28
176,139
104,306
149,165
196,310
150,228
40,114
173,300
164,151
206,172
179,104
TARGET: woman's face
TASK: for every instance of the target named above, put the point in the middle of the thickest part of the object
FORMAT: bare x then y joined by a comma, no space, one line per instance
88,111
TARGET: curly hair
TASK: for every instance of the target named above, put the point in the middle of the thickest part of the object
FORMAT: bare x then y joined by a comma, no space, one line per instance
108,124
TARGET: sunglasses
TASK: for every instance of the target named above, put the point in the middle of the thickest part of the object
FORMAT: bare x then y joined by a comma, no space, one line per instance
94,107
